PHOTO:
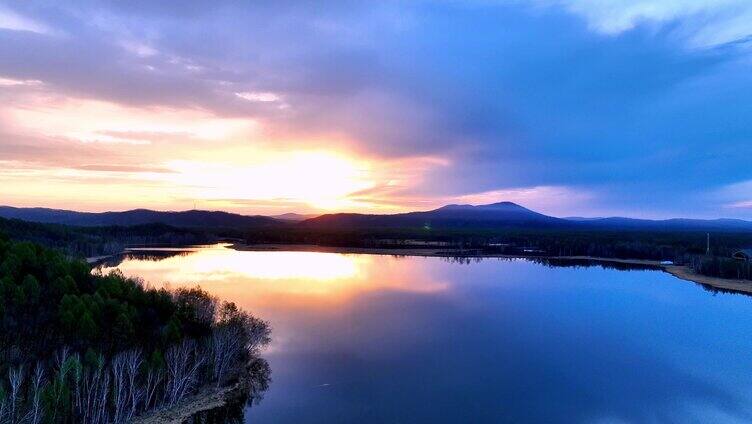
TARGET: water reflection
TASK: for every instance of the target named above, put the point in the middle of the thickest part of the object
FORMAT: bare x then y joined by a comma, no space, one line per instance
248,394
381,339
257,279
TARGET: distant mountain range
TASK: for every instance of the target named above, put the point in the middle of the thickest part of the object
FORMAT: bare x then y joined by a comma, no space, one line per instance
295,217
192,218
494,216
508,214
668,224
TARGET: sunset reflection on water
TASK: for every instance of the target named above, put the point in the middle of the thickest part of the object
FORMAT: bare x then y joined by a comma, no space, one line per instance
254,278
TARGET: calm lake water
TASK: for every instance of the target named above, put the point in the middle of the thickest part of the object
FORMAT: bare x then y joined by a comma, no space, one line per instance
380,339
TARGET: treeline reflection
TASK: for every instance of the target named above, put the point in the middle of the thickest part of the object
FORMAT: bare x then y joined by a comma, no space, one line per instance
151,255
248,394
552,262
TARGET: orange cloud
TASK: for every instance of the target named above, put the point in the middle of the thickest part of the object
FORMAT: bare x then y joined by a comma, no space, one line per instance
82,153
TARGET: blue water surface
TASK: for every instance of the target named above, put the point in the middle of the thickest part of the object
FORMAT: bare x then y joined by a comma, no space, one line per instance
379,339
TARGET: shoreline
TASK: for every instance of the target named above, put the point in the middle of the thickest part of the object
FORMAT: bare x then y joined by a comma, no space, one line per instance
206,400
178,414
94,260
679,271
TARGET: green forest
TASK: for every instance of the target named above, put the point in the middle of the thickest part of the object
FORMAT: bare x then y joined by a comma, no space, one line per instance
82,347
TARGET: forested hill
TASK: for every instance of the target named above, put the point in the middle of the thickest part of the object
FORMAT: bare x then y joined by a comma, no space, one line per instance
503,214
79,347
188,219
96,241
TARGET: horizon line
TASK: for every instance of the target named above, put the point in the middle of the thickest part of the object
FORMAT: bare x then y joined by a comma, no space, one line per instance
568,217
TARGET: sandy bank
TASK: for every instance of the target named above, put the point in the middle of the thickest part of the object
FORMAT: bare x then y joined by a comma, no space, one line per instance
682,272
685,273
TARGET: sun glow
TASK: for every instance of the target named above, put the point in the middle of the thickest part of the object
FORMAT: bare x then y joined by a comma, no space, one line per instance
221,264
97,155
322,180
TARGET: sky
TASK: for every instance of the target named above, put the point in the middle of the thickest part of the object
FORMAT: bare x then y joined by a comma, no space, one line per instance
570,107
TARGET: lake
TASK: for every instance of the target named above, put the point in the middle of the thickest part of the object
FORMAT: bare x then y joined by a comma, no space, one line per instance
382,339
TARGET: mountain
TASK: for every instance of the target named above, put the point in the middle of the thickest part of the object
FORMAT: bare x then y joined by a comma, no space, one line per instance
582,218
295,217
511,215
192,218
496,215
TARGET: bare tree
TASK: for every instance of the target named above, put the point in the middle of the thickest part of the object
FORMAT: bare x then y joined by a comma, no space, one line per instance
183,364
226,346
36,413
65,365
3,408
126,393
133,363
258,333
120,392
15,378
93,393
152,382
102,395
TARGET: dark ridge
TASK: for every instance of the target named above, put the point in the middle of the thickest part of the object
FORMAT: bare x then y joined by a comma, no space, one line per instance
191,218
511,215
502,214
455,216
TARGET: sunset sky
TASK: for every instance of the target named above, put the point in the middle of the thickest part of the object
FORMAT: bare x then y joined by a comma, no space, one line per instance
570,107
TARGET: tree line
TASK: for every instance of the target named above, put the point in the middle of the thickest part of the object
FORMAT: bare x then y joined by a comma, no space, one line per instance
681,247
103,240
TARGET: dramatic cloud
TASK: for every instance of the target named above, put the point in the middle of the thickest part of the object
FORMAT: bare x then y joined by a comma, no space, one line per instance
573,107
703,23
10,20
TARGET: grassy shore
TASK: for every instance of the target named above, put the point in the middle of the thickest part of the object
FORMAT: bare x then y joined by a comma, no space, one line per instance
679,271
